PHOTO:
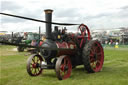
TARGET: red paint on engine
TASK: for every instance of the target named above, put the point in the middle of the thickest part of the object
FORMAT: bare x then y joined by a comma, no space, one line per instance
70,45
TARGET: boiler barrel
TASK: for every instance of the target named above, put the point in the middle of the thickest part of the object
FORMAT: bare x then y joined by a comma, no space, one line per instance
70,48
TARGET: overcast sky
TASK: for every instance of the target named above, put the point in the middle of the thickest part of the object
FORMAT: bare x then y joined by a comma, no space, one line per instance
96,14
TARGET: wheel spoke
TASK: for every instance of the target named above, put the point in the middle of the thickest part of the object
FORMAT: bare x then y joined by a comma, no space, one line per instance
38,60
98,61
68,63
65,72
92,59
91,54
92,51
99,53
35,71
62,67
81,43
31,69
39,69
33,60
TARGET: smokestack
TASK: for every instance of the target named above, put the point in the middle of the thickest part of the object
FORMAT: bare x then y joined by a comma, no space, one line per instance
48,18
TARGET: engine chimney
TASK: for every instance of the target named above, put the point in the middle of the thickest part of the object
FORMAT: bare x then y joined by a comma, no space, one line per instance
48,18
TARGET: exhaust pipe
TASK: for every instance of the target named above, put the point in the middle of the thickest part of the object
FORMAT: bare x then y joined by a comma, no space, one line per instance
48,18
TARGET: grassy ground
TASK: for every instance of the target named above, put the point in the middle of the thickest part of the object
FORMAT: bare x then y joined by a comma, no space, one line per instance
114,72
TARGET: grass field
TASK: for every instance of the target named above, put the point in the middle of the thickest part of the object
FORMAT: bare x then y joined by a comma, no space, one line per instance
114,72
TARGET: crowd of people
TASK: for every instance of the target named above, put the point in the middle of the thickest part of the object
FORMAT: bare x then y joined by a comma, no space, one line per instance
111,43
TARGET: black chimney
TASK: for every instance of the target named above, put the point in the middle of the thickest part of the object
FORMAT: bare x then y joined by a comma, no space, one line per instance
48,18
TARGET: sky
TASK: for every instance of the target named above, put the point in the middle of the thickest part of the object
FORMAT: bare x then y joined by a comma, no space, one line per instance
96,14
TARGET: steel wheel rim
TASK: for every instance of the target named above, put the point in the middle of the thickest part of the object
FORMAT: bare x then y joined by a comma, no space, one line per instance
96,57
34,65
63,67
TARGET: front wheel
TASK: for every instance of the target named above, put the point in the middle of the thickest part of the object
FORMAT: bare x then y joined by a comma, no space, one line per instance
63,67
93,56
34,65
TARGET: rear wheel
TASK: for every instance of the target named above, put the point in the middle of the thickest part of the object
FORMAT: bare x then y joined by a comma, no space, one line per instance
93,56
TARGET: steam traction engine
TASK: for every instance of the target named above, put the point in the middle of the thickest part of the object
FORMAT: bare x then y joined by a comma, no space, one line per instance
66,51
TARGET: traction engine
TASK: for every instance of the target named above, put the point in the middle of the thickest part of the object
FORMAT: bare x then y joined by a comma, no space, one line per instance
66,51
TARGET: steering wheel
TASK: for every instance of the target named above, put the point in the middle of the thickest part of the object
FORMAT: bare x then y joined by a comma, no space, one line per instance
85,33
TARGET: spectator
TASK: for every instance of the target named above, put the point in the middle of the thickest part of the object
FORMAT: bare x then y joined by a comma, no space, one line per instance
33,43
